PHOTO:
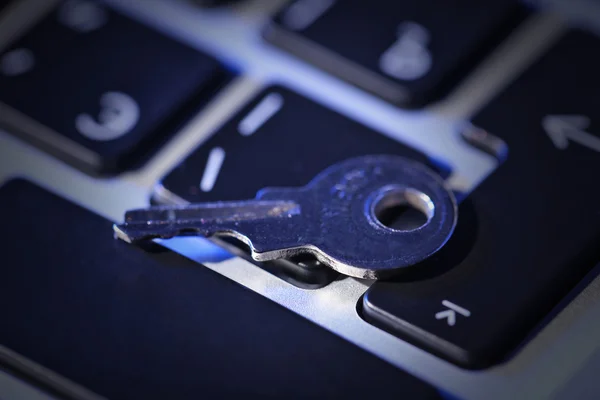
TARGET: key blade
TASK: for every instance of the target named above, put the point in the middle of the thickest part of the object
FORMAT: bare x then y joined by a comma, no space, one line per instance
204,219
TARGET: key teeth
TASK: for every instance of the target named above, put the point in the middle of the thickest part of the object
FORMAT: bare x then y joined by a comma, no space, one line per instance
131,238
130,234
120,234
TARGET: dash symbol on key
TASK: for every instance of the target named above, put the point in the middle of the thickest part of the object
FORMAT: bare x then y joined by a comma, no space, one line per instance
260,114
302,14
212,169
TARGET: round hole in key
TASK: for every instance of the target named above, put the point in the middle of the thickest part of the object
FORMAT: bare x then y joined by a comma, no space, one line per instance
402,209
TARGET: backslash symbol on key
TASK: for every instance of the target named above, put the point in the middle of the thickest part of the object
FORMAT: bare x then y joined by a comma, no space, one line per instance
450,313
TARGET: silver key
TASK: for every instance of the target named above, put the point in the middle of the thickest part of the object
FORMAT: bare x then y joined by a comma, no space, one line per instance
334,218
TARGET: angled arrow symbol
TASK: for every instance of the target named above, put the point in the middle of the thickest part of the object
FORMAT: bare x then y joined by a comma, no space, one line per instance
448,314
562,128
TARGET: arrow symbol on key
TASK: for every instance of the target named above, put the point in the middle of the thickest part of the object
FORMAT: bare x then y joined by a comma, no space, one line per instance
450,314
562,128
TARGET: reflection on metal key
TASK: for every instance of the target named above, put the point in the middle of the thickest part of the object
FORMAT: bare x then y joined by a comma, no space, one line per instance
335,218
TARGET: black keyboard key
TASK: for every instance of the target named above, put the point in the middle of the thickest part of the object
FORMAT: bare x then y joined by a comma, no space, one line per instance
528,233
3,4
407,52
279,139
131,324
104,90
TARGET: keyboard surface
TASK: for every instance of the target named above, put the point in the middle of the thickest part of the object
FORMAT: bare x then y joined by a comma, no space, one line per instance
228,101
179,332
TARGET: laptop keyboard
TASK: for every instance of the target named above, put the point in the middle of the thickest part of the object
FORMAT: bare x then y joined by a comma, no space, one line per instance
104,93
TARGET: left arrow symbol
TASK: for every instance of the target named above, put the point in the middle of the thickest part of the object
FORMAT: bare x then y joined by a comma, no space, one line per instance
562,128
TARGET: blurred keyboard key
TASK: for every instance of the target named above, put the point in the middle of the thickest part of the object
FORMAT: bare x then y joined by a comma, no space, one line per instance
280,139
528,234
407,52
4,3
98,89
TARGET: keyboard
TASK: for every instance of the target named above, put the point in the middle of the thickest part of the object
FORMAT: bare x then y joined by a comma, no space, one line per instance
107,106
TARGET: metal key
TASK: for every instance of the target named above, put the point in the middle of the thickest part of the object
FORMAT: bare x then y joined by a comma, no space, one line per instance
334,218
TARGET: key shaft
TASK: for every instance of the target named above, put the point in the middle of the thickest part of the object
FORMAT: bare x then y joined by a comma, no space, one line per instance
239,219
